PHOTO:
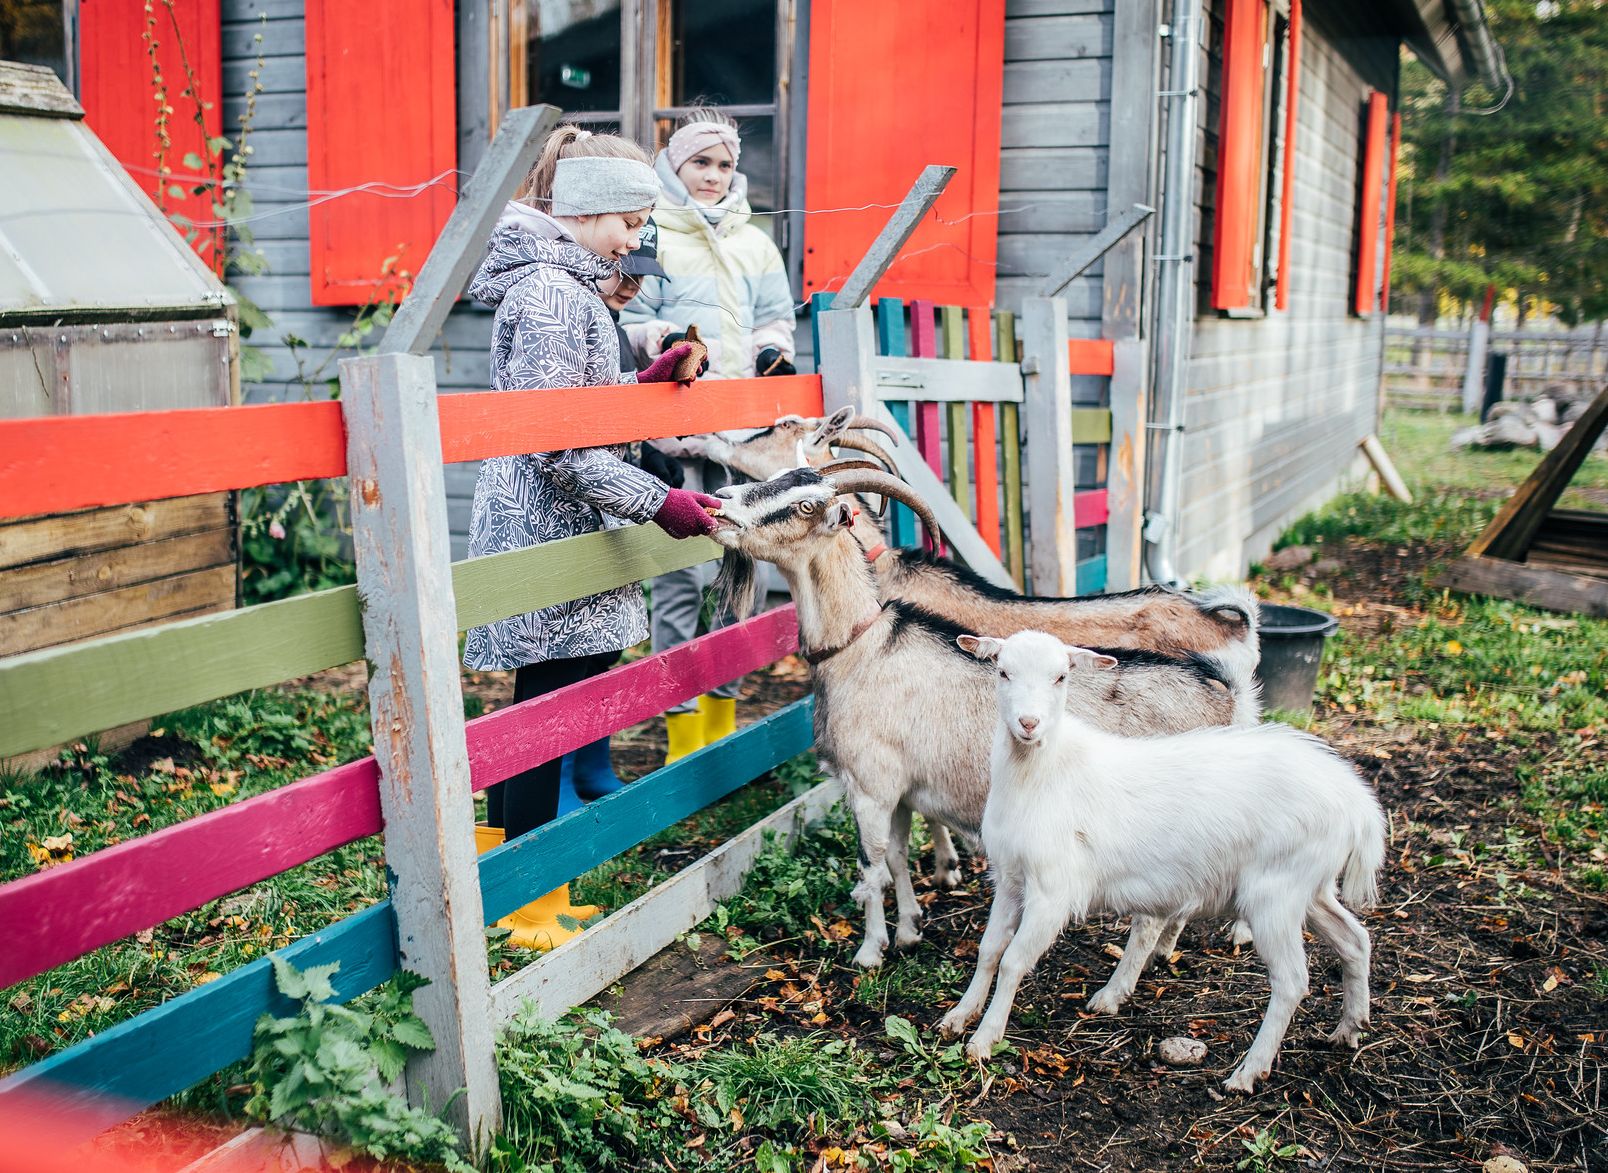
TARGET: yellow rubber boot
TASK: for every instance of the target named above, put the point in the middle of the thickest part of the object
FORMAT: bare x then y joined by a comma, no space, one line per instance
686,734
720,716
535,926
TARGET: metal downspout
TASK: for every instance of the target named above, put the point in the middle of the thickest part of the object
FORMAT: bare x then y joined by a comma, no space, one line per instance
1175,292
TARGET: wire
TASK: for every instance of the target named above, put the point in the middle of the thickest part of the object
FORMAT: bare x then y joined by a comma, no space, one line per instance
1502,59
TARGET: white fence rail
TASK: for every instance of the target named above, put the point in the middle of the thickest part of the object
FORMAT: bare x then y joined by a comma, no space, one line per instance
1424,368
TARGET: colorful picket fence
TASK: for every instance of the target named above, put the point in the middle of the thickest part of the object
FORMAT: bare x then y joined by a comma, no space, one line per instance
54,695
967,424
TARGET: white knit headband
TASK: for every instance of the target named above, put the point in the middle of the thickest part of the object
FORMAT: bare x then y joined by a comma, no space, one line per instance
700,136
590,186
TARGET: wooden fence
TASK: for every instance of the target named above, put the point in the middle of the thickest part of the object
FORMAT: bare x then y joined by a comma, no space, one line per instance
390,435
1424,368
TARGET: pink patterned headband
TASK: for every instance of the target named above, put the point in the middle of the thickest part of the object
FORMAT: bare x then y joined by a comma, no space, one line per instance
700,136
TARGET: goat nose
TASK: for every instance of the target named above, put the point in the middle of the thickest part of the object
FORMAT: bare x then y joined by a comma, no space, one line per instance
1028,724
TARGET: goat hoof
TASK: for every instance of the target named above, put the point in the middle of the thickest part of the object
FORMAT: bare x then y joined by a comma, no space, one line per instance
868,957
949,879
1104,1002
980,1049
954,1024
1242,933
906,938
1243,1080
1347,1034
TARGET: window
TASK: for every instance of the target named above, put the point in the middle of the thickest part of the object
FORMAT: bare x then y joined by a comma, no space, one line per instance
1252,151
635,66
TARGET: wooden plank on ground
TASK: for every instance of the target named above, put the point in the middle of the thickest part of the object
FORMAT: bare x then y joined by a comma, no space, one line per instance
1539,586
589,963
37,539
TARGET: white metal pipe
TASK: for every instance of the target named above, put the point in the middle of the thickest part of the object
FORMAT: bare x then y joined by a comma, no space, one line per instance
1175,291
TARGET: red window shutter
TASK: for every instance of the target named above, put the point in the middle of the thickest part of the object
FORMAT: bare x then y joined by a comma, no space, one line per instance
381,111
1240,153
1373,172
119,87
1292,100
1390,212
894,86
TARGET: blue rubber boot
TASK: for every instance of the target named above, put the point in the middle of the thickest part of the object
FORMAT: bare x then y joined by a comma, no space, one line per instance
568,800
594,772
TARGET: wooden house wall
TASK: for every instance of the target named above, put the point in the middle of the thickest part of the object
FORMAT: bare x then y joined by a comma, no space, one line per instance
1276,405
278,184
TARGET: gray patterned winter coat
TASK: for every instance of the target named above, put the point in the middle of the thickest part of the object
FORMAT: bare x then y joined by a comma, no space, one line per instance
552,330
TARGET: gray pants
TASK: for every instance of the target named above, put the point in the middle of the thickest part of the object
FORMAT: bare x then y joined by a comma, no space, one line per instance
677,599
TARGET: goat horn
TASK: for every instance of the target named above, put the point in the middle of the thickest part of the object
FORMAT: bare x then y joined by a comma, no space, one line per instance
861,444
888,485
848,463
865,423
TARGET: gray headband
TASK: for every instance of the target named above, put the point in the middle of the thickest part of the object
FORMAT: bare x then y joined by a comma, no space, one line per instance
591,186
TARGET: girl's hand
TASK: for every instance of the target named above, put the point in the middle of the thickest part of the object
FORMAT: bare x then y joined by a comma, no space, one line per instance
685,514
663,368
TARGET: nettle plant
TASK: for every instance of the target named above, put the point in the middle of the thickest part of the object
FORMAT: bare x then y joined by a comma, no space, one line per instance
327,1069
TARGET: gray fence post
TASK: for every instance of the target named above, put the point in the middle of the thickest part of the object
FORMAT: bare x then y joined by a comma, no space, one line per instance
1051,473
410,639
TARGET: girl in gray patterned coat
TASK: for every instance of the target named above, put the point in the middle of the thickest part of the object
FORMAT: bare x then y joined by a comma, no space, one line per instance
546,275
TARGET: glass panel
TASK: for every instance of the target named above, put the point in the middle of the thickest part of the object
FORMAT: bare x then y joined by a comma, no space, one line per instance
724,52
573,53
33,32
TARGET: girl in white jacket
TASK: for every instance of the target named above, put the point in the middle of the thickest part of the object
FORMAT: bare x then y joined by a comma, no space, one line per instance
725,276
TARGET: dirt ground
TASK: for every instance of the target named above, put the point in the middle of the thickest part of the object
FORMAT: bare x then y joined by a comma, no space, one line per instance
1489,1031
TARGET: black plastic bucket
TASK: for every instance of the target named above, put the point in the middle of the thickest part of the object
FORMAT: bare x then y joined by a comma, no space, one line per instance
1292,650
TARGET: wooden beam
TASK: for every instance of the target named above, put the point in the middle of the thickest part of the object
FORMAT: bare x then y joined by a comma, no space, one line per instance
1051,471
461,245
591,962
1539,586
1125,476
945,380
918,201
410,637
1509,534
1096,247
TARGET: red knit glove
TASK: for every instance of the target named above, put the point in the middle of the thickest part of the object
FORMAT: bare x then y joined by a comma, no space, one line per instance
682,514
662,367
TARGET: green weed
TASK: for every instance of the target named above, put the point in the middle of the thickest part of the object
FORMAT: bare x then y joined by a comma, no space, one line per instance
790,1084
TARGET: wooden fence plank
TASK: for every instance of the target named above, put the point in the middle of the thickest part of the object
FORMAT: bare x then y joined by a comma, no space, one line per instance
891,344
1010,428
946,380
1091,356
410,636
924,344
1051,434
985,433
57,463
953,347
60,463
78,576
1090,508
127,1067
1091,425
1091,575
57,694
53,916
209,589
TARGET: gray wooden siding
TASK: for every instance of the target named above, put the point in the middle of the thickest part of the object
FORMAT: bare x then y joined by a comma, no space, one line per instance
1277,404
1055,134
278,185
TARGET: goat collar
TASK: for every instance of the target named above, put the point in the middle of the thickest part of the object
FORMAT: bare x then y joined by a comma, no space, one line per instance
818,657
876,551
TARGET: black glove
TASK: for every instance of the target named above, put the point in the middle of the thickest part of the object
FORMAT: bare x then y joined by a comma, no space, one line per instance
666,468
681,336
771,362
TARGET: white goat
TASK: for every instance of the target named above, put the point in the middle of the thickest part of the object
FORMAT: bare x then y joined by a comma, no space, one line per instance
902,716
1257,820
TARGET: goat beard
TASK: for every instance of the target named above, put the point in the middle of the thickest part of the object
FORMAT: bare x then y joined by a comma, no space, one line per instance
737,584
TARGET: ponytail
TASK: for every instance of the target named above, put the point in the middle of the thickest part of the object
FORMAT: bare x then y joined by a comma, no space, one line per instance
572,142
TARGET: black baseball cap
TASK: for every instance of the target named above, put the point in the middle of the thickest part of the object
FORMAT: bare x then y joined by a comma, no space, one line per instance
644,262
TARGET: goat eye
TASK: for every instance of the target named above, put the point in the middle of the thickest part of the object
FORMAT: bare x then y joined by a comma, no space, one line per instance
806,508
1003,676
1061,679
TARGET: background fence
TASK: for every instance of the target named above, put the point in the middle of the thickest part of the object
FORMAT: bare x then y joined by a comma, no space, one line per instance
1424,368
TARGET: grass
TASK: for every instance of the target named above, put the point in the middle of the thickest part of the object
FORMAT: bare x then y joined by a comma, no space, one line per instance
1464,666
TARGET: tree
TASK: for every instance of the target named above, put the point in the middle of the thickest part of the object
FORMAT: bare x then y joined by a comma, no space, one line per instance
1517,196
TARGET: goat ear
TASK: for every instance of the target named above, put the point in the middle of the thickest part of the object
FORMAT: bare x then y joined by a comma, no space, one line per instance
832,426
1084,659
984,647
